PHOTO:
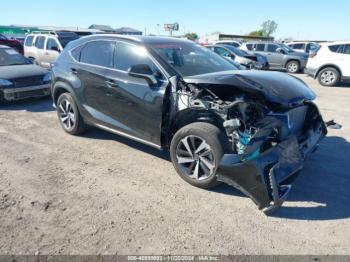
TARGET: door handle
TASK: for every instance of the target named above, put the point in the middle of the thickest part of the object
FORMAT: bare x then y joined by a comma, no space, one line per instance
111,83
74,71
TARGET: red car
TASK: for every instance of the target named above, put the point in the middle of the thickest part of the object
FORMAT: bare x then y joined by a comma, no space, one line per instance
12,43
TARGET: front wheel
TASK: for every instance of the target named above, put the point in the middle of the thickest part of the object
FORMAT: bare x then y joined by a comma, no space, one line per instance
196,151
293,67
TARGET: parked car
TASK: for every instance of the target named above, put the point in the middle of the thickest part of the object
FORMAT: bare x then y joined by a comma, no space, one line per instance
249,129
11,43
20,78
330,63
251,61
279,56
306,47
45,47
228,42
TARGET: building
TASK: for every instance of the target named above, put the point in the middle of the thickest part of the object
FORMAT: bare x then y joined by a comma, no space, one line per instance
212,38
104,28
127,31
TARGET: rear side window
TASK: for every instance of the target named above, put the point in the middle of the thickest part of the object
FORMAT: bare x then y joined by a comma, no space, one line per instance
40,42
98,53
128,55
249,47
334,48
29,41
260,47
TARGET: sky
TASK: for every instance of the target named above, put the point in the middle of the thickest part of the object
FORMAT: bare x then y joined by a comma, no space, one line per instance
297,19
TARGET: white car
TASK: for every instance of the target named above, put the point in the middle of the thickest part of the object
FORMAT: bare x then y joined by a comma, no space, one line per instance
330,63
45,47
303,46
235,44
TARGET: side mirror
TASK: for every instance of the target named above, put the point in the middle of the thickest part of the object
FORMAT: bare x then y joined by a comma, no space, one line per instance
281,51
143,71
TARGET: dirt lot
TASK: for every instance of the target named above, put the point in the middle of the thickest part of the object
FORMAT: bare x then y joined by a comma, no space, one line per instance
103,194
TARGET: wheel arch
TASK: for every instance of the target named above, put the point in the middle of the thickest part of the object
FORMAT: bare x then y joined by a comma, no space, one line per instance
188,116
328,65
60,88
290,60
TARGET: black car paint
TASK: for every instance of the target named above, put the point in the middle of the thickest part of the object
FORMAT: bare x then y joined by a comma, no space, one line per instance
115,101
27,82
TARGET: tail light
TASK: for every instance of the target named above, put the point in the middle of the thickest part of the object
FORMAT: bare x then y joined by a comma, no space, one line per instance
312,54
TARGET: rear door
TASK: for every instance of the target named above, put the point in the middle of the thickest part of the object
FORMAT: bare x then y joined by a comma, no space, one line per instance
39,51
135,107
95,58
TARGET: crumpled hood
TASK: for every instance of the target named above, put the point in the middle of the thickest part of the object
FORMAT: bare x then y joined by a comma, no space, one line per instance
276,87
21,71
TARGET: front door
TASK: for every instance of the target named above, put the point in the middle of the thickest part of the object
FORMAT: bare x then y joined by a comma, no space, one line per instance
52,51
275,58
135,107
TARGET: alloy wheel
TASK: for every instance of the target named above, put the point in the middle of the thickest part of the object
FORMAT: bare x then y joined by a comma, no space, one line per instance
66,114
293,67
195,157
328,77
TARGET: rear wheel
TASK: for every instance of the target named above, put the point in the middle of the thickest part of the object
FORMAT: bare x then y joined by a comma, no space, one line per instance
68,115
293,67
196,151
328,76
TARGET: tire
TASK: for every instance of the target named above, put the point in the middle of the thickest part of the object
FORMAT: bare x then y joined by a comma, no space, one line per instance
71,122
328,76
200,168
293,67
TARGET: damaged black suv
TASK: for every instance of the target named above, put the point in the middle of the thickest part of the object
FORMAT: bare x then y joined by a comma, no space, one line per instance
249,129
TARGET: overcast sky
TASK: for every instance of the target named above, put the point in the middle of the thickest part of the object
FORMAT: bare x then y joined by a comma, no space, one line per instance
299,19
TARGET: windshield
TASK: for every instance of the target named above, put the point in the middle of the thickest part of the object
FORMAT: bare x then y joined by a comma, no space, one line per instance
236,51
9,56
287,48
191,59
65,40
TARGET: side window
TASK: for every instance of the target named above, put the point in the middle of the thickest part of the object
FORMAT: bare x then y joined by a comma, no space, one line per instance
221,51
272,48
98,53
334,48
346,49
249,47
128,55
260,47
52,45
2,37
298,46
40,42
29,41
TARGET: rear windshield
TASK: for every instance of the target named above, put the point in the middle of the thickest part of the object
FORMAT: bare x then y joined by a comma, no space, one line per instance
9,56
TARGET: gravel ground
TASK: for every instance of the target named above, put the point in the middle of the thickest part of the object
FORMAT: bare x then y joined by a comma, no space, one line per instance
103,194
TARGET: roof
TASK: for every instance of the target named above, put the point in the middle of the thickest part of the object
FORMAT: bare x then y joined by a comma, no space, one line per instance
140,39
106,28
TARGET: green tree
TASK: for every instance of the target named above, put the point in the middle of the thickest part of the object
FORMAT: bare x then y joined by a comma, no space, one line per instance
258,33
192,36
269,27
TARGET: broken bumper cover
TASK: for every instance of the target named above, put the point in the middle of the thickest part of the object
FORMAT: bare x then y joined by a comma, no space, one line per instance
14,94
264,179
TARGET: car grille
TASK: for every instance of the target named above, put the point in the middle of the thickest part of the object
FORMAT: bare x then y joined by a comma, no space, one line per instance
30,93
28,81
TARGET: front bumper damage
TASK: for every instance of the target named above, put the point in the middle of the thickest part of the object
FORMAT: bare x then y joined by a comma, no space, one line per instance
266,178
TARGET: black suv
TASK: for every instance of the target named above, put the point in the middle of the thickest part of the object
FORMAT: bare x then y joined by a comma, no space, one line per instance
249,129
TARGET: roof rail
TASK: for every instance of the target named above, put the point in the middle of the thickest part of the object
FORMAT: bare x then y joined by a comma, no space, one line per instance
44,33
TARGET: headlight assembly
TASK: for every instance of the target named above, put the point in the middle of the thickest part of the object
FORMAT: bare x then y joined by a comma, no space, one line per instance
5,82
47,78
